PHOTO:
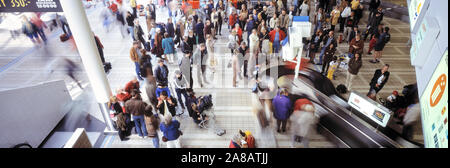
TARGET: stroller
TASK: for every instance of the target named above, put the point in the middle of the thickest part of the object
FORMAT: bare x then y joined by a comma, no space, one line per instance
204,103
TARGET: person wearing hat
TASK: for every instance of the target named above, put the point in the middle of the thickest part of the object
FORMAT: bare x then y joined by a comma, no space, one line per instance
136,107
303,122
162,74
180,83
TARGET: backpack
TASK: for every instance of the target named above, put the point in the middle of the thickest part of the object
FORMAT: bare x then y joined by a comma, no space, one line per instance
341,89
387,38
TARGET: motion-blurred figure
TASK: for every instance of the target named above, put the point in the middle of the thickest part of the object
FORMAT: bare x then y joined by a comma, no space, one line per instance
303,122
30,30
40,25
71,67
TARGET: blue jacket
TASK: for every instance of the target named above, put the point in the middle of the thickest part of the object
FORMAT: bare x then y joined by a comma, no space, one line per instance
250,25
171,131
282,105
167,45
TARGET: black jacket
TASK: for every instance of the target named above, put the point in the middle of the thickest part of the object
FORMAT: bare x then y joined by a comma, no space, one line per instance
333,41
170,107
161,80
374,4
170,29
377,75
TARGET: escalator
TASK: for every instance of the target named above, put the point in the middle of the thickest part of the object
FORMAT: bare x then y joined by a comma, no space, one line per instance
338,123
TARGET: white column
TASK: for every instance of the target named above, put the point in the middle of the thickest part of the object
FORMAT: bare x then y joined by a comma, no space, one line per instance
84,39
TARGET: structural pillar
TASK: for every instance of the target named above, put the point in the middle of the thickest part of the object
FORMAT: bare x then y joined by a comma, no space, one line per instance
84,39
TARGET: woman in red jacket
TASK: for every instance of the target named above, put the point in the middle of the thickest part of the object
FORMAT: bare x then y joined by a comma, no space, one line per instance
276,36
232,19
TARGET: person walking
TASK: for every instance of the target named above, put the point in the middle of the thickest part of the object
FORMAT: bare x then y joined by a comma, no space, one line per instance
380,44
303,121
171,133
282,106
136,107
152,125
130,23
379,79
135,55
354,65
169,48
40,25
139,33
71,67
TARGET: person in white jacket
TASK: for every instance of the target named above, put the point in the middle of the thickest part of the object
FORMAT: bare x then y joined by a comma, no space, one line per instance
254,48
303,122
273,22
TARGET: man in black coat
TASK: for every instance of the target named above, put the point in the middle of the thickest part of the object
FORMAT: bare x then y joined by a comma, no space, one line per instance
170,28
379,79
373,7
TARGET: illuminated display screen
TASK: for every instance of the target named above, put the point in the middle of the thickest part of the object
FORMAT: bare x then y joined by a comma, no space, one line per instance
30,6
369,108
434,105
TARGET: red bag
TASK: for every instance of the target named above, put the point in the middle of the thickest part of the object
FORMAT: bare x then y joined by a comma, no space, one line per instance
64,37
341,38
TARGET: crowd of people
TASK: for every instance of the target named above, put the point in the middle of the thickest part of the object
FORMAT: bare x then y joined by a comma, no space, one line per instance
187,39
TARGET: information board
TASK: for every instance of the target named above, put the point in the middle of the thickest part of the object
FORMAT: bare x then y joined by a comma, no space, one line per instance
434,105
369,108
30,6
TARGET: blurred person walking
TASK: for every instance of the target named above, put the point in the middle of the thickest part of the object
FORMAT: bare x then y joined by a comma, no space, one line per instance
71,67
304,122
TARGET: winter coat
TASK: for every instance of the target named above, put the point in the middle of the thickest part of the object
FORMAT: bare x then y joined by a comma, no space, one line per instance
282,105
354,66
168,46
170,131
273,33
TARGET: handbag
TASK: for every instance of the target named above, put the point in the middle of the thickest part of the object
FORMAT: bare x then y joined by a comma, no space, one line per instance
164,139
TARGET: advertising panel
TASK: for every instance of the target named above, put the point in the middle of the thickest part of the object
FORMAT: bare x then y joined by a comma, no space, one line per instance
30,6
369,108
434,105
